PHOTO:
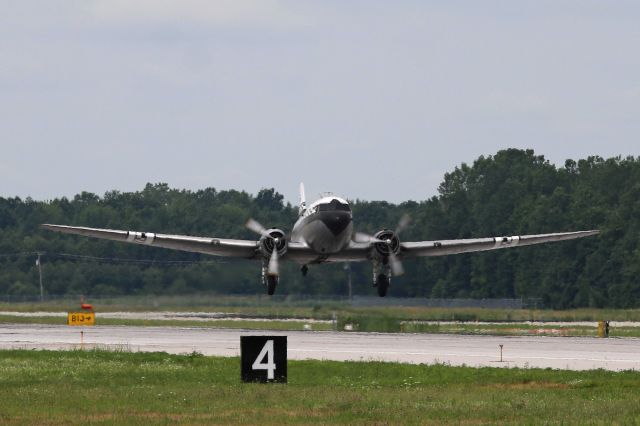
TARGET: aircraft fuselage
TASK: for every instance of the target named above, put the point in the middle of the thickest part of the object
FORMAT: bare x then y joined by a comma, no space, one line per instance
326,226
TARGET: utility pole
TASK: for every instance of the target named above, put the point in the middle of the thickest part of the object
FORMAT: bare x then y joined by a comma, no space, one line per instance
39,264
347,267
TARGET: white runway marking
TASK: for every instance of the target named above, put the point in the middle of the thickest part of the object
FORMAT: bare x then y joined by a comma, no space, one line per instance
575,353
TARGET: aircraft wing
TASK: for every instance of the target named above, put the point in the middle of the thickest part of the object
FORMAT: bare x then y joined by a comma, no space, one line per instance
299,252
445,247
246,249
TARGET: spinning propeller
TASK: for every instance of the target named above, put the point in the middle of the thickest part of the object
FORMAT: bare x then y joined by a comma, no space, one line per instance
396,265
255,226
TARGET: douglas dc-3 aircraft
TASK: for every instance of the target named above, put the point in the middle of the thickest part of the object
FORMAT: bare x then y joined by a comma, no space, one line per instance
323,233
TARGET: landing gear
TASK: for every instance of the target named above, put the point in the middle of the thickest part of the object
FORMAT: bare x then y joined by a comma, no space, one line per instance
381,278
272,282
382,283
304,269
269,281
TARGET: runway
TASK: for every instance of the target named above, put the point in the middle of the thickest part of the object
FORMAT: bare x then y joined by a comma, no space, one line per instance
573,353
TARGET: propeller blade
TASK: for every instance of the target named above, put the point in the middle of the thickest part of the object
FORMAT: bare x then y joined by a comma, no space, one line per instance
361,237
256,227
272,269
402,223
396,265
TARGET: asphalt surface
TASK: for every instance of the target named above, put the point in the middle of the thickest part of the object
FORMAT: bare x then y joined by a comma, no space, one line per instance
574,353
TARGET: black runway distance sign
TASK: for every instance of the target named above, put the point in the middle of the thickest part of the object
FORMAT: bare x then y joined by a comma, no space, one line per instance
263,358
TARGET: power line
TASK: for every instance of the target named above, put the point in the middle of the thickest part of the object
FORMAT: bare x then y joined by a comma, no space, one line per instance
98,259
138,261
20,254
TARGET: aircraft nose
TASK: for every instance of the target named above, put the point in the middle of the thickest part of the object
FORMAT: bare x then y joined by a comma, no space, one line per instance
336,221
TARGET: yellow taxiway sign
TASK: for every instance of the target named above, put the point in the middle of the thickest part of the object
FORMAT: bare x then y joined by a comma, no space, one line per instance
81,318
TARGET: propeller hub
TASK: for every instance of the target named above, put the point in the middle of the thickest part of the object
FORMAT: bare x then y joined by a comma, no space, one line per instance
272,239
386,242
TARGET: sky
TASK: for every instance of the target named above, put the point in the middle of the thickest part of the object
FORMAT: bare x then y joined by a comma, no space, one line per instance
371,100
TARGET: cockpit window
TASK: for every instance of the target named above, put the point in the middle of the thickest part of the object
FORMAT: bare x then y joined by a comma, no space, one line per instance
343,207
333,206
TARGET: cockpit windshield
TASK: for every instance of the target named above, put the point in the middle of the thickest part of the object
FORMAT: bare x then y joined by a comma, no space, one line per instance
333,206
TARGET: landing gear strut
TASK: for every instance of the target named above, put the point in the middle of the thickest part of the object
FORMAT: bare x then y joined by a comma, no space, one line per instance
304,269
382,283
269,281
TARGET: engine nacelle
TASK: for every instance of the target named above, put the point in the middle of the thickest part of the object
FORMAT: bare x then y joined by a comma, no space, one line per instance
277,241
391,244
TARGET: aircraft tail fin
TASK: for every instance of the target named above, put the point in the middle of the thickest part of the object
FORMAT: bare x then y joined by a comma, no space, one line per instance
303,200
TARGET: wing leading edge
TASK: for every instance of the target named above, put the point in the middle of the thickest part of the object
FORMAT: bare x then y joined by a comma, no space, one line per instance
246,249
445,247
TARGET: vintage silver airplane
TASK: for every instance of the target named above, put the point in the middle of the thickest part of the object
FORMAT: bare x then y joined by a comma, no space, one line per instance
323,233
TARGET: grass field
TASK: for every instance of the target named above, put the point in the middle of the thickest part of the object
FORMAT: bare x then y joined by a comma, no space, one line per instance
361,323
97,387
236,324
321,309
379,319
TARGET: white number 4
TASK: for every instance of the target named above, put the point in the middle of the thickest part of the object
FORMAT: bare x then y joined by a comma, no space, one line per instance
270,366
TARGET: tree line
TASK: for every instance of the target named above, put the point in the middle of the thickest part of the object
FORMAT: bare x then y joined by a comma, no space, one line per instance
514,192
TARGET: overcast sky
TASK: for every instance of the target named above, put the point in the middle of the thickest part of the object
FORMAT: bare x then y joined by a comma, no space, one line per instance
370,100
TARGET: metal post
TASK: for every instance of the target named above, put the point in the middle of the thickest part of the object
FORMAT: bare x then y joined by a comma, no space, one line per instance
39,263
347,267
349,279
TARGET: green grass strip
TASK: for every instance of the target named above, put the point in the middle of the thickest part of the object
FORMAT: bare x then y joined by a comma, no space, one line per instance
239,324
370,324
323,309
99,387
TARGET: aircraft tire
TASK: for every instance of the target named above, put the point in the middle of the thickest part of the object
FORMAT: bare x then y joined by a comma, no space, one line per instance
382,283
272,282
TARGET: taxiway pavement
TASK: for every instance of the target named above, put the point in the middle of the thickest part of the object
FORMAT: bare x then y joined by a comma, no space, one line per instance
574,353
